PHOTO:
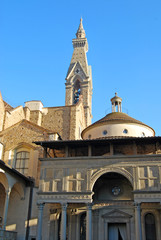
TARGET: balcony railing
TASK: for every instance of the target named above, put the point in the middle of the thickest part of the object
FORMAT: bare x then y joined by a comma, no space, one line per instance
7,235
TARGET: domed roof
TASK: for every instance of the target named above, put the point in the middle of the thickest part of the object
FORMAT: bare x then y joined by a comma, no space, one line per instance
118,117
117,124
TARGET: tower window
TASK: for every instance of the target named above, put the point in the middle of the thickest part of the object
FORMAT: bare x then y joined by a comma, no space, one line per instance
77,91
125,131
76,96
22,159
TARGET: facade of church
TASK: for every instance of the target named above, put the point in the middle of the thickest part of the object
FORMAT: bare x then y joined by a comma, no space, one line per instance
63,178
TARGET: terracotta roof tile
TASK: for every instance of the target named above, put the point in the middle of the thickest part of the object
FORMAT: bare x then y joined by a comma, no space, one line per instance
117,116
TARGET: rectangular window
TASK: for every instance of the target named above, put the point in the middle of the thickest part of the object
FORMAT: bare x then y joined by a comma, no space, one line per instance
22,159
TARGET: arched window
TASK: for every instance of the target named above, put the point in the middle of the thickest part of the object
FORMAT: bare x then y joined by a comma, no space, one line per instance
83,227
150,231
77,91
22,160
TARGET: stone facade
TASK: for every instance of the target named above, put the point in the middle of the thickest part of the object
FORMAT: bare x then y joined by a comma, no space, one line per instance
55,186
21,126
123,186
63,120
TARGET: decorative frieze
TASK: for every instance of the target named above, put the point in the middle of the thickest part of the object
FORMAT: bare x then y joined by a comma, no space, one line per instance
65,197
147,197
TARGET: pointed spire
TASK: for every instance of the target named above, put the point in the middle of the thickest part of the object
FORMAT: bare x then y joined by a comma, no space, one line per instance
80,32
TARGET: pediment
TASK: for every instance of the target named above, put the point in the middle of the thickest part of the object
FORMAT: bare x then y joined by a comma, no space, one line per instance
73,71
116,214
34,126
23,133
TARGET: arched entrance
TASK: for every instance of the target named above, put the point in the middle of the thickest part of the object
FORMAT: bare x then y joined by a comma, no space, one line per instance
113,199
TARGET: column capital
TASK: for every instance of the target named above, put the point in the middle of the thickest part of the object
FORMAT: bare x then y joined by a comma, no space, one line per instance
137,204
8,191
40,205
89,206
64,206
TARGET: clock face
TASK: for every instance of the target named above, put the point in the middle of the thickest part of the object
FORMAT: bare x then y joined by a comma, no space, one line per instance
116,190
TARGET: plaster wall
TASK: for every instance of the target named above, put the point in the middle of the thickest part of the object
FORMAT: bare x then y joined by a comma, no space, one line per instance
17,216
133,130
34,105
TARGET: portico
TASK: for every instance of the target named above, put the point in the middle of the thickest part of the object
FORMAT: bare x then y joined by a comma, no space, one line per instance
63,210
92,197
14,191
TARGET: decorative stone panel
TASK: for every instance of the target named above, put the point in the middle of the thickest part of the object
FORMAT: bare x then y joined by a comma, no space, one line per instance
148,178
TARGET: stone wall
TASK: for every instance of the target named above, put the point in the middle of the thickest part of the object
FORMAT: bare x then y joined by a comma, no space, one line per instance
66,121
57,119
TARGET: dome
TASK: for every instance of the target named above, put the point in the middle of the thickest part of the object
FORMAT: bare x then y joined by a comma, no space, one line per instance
117,124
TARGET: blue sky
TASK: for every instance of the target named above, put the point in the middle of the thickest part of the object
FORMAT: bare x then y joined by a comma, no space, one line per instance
124,39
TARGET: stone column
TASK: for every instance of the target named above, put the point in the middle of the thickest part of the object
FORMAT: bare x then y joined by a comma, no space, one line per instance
40,217
6,208
64,221
89,222
138,227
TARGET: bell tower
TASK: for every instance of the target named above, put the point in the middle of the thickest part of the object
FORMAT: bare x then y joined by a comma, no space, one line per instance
79,75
